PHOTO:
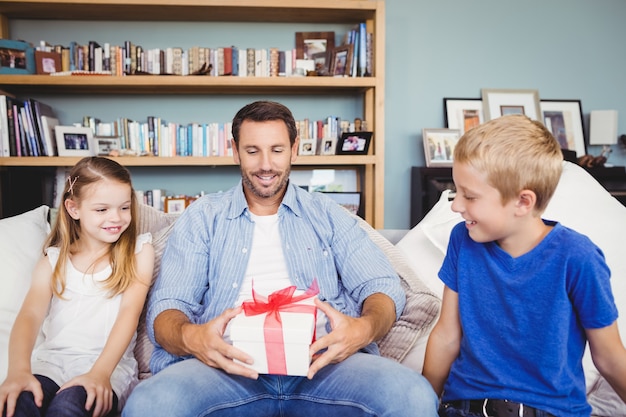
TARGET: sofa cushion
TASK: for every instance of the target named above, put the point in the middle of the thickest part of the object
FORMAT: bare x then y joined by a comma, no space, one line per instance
580,203
21,245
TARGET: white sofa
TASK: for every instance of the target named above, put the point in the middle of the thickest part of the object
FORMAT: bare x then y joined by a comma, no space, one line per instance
580,202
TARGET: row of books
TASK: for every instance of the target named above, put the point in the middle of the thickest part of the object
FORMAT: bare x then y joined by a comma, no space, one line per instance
26,127
129,58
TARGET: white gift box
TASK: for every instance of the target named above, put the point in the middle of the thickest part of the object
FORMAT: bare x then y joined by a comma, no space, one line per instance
248,334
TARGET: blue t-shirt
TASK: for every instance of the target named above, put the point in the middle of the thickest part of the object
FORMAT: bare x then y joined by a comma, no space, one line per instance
523,318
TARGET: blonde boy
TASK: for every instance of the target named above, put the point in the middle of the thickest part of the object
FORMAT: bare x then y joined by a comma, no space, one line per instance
523,295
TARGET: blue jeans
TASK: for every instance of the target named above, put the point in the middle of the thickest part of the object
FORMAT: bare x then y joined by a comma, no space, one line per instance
362,385
68,403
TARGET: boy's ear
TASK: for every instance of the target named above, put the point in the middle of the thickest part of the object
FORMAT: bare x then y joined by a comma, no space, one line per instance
526,200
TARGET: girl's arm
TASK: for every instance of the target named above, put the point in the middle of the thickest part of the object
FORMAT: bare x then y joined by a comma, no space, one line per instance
609,356
444,342
97,381
23,337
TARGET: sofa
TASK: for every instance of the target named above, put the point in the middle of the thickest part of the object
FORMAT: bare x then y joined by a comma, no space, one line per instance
580,202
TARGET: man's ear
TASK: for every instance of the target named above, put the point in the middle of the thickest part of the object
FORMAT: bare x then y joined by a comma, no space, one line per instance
72,208
526,200
294,149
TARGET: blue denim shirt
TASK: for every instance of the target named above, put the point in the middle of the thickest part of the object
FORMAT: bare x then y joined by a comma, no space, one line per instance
207,254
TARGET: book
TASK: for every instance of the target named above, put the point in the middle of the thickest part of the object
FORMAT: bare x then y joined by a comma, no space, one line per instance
5,149
11,125
40,109
47,127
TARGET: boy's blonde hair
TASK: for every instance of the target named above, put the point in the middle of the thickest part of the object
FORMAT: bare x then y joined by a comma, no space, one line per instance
66,231
516,153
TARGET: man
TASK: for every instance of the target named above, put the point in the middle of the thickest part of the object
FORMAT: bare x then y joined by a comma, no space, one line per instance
272,232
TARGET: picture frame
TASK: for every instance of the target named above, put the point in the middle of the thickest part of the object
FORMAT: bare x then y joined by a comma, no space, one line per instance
352,201
498,102
328,146
309,44
175,204
321,61
462,113
75,141
439,146
341,61
307,146
47,62
353,143
564,119
16,57
108,145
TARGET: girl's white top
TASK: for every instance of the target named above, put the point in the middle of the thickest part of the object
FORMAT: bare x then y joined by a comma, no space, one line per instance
77,327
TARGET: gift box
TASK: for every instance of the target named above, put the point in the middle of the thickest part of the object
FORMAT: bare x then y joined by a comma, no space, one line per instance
277,331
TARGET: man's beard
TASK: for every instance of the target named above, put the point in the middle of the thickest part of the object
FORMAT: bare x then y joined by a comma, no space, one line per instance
266,192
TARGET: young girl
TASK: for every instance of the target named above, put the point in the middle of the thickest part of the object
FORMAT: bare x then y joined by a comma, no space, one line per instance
86,296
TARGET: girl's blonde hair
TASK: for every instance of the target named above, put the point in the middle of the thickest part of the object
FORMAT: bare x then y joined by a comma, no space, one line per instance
516,153
66,231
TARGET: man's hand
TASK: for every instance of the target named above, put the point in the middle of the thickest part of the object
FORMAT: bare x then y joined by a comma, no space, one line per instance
203,341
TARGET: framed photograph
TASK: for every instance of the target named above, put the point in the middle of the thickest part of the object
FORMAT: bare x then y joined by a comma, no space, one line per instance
75,141
341,61
327,146
307,146
462,113
16,57
354,143
498,103
47,62
321,60
564,118
439,146
308,44
108,145
175,205
349,200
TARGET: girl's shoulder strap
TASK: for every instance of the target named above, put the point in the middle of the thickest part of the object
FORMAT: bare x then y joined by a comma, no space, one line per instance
53,255
143,239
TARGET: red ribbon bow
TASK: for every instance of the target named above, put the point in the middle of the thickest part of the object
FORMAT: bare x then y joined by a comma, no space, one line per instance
281,300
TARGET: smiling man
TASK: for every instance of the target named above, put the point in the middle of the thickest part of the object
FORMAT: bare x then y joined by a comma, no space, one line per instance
273,232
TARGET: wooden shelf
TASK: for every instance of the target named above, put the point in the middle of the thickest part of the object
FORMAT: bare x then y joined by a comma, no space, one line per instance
331,160
190,84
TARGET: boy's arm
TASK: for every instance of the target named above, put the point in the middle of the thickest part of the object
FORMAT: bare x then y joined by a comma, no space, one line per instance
609,356
97,380
444,342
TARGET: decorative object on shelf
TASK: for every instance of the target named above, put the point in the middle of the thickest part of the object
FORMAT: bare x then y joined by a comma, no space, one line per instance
349,200
603,127
341,61
439,146
498,103
564,118
462,113
108,145
307,146
48,133
328,146
16,57
47,62
309,44
75,141
354,143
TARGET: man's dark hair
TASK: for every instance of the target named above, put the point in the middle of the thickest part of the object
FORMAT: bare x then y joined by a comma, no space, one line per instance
263,111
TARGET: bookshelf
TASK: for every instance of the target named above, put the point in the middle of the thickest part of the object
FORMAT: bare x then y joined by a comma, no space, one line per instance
369,90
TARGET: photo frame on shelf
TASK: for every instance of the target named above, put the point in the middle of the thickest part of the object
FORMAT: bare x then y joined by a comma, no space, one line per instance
327,146
564,118
439,146
352,201
354,143
175,205
47,62
341,61
322,60
75,141
497,102
108,145
16,57
307,146
462,113
309,44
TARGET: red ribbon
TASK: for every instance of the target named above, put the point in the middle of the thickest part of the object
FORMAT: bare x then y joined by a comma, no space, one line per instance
281,300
